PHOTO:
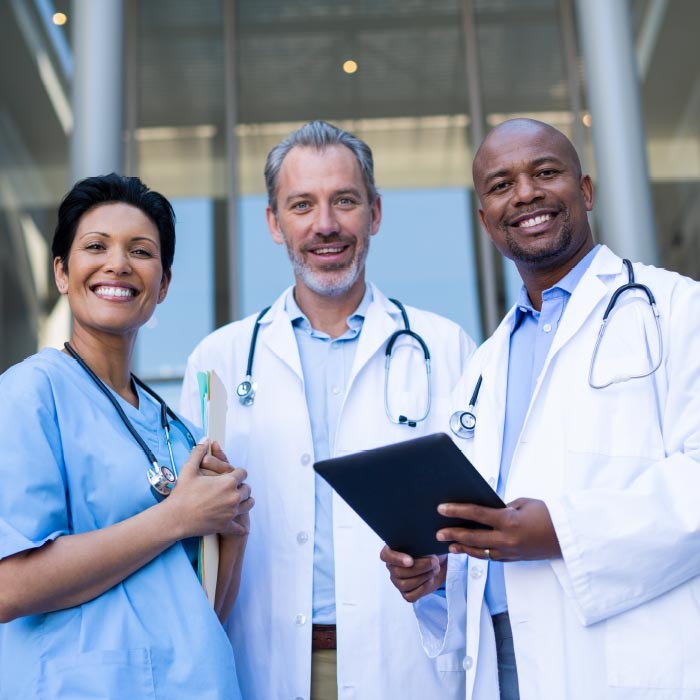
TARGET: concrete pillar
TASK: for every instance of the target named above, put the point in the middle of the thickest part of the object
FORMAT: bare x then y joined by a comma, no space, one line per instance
98,85
623,193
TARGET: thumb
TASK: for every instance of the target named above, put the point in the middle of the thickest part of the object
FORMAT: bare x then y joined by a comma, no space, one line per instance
191,465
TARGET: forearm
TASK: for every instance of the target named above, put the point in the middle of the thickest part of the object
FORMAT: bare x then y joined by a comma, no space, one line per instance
77,568
231,552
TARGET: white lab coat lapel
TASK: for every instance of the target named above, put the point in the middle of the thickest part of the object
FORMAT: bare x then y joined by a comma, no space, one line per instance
379,324
278,335
585,299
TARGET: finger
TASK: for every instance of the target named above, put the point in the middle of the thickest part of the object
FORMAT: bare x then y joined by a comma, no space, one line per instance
240,474
216,465
477,552
195,458
394,558
470,511
478,539
417,593
218,451
246,506
244,492
421,567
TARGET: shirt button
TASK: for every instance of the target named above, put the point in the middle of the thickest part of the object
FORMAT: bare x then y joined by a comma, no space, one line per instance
335,390
305,458
547,327
467,663
476,572
302,537
300,620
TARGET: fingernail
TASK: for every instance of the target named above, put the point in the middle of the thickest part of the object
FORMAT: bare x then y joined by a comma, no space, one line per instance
440,536
203,441
442,509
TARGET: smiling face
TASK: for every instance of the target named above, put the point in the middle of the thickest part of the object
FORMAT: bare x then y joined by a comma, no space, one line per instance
534,200
325,219
114,276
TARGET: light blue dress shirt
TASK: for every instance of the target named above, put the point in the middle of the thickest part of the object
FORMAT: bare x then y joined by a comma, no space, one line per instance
326,363
531,337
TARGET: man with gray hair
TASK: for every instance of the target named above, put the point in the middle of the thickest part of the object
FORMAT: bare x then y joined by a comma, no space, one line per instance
316,616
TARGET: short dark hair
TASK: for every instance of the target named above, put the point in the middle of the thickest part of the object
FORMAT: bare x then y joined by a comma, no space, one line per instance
319,135
105,189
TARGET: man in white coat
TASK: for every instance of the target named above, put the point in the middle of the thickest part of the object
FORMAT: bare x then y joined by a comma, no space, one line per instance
316,615
595,563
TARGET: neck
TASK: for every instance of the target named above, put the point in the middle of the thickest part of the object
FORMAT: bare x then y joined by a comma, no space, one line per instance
540,278
109,358
329,314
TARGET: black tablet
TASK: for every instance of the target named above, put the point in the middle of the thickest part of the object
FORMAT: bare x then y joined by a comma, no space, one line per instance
396,490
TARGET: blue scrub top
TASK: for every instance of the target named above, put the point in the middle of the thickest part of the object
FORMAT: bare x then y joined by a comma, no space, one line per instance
69,465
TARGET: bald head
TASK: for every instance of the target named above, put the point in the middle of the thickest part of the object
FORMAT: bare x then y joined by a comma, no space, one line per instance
517,133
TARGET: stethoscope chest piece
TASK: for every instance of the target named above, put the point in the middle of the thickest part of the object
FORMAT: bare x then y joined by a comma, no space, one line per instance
462,424
246,392
162,480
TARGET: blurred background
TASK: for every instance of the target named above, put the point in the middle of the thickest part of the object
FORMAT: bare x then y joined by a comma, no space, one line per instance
191,94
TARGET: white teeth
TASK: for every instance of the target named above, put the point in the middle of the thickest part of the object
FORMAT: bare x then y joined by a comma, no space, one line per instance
527,223
114,292
325,251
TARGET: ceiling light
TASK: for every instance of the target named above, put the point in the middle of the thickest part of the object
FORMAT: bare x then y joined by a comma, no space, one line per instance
60,18
350,67
586,119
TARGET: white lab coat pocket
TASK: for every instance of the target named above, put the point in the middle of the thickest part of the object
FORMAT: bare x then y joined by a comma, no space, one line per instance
97,675
656,645
452,662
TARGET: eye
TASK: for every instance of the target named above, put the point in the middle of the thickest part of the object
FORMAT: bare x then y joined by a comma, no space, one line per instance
548,172
94,245
500,186
301,206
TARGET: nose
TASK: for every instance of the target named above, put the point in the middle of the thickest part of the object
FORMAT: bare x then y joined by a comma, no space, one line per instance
118,261
326,221
526,190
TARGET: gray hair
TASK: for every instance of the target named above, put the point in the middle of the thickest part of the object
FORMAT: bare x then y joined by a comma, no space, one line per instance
319,135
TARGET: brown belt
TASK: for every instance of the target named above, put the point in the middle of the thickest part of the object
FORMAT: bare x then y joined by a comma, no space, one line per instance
323,637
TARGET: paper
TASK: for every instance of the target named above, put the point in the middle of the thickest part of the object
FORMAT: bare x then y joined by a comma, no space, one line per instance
212,394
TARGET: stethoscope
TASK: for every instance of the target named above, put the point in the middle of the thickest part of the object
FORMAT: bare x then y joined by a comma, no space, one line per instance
463,423
630,286
247,388
161,478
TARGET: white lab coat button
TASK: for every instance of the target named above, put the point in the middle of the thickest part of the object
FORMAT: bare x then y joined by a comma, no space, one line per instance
302,537
305,458
492,483
476,572
547,327
467,663
335,390
300,620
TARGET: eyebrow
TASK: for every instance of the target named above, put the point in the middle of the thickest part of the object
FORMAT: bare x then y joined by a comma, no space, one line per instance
535,163
108,235
307,195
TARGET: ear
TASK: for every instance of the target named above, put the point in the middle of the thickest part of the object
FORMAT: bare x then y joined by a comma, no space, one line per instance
375,215
586,185
274,227
60,275
164,286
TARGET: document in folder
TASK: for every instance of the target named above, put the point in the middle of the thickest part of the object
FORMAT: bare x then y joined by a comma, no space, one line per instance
396,490
214,404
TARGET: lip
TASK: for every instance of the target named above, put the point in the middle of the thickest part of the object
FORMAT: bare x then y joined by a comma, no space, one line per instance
114,285
330,252
516,222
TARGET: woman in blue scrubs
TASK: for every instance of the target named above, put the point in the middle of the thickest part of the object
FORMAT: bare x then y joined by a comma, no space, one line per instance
98,594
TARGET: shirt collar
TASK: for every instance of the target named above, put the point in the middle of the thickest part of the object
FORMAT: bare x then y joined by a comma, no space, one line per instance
354,320
566,284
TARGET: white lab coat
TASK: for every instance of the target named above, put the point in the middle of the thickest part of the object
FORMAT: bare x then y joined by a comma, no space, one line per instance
618,617
380,655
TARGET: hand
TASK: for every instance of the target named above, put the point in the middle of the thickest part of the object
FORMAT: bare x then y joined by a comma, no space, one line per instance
521,531
414,578
205,504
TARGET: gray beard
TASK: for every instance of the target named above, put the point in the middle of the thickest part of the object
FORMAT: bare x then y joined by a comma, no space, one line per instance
330,283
